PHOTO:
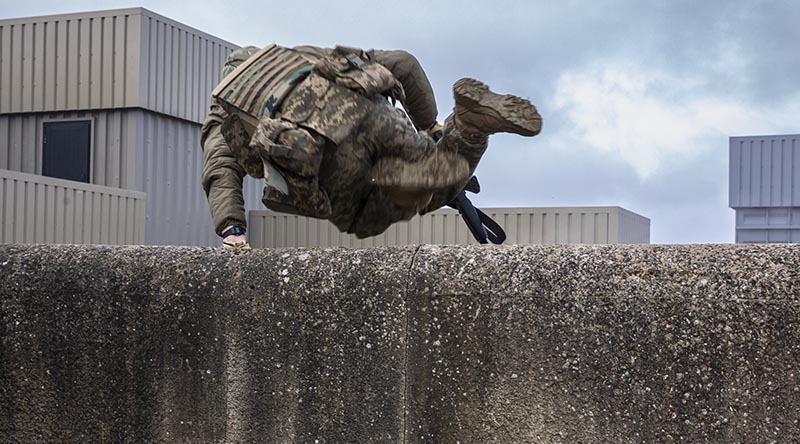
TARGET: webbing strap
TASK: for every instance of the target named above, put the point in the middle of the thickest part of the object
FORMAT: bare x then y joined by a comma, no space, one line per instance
483,228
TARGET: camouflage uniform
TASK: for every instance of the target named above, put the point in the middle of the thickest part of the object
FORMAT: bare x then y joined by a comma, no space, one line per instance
334,148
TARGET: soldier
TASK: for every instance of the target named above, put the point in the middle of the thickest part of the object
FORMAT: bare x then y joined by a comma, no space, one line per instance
325,126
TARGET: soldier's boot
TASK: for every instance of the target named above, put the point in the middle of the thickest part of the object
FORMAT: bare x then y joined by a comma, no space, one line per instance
480,112
412,184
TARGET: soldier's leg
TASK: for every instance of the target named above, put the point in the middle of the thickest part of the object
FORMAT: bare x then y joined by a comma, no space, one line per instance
407,166
478,113
407,162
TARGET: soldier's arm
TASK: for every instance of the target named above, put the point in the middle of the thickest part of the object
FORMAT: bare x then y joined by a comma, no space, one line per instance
420,101
222,176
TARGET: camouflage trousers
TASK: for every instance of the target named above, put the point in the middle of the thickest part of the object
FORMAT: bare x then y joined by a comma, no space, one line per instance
338,181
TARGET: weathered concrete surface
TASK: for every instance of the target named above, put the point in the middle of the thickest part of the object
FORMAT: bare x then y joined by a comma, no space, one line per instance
566,344
695,344
179,345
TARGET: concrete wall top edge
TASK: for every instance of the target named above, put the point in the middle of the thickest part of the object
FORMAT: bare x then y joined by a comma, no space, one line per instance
675,271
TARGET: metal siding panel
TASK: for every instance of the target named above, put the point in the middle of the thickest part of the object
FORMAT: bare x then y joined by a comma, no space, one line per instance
181,92
40,215
130,148
108,60
133,51
26,85
775,170
746,192
5,142
97,218
574,223
15,145
99,150
58,215
84,63
96,62
786,173
191,83
762,165
8,209
120,62
603,229
6,62
16,68
69,216
19,211
795,171
160,68
146,62
72,84
60,87
28,147
79,229
734,173
38,67
30,212
174,65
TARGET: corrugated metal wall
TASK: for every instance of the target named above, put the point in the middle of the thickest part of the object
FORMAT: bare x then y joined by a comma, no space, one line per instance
633,228
760,225
765,171
169,167
70,62
179,68
444,226
113,157
36,209
108,59
765,188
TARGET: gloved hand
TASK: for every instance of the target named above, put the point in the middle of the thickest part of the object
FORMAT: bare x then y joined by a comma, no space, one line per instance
238,241
242,245
436,131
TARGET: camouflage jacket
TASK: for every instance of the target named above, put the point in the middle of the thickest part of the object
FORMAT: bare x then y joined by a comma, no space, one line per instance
222,176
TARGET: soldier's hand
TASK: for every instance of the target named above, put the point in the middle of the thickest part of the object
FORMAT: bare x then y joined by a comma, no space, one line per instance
236,241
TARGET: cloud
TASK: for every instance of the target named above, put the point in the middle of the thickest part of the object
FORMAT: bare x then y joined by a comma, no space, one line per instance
648,116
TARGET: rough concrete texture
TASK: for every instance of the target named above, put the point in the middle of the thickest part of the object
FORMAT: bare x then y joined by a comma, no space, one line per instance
572,344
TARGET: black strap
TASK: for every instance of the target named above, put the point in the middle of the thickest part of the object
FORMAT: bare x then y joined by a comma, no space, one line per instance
483,228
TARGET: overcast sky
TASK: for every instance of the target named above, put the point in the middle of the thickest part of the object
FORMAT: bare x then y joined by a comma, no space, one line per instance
638,98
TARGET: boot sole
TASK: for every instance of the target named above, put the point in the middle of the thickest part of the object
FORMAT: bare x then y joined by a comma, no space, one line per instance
518,115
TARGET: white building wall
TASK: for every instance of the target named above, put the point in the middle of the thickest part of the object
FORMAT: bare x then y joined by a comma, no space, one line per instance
587,225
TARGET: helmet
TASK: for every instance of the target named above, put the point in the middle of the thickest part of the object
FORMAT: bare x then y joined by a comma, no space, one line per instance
236,58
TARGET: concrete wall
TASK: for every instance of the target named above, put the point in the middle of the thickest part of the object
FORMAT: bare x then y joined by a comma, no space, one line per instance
566,344
547,225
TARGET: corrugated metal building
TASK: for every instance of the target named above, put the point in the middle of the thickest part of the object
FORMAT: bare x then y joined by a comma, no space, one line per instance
132,88
765,188
587,225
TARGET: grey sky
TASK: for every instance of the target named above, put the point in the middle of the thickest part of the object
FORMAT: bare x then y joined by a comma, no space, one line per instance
638,98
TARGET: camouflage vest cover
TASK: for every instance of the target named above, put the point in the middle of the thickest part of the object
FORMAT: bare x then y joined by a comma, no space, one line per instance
278,82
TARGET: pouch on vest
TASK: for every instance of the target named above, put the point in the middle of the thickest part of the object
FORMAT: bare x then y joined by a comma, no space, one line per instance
347,68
